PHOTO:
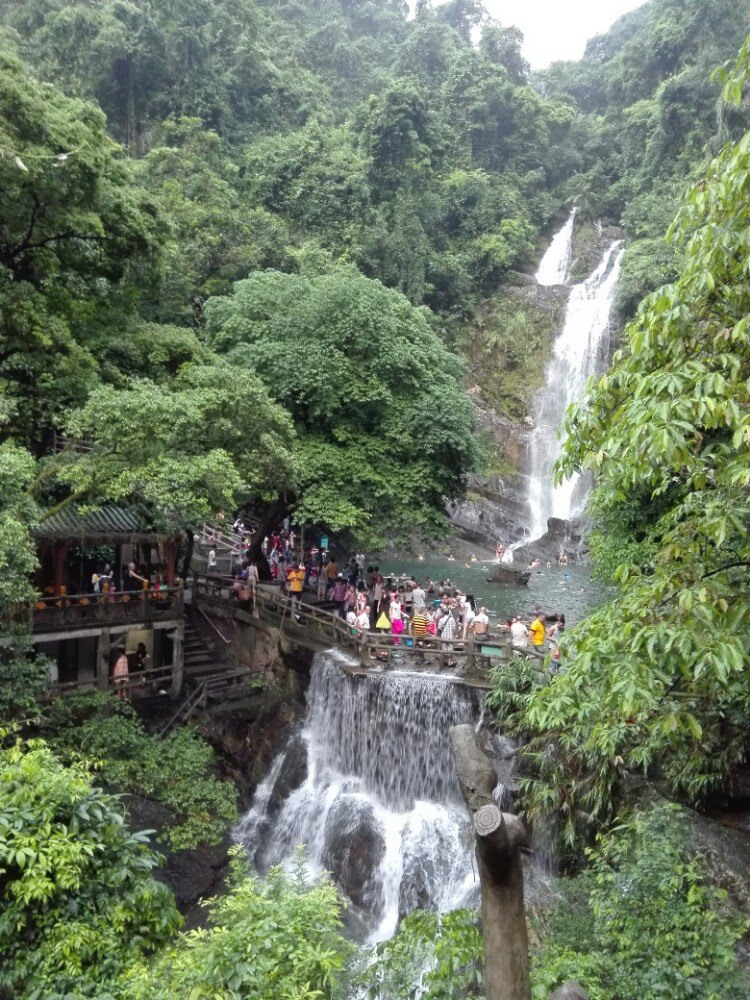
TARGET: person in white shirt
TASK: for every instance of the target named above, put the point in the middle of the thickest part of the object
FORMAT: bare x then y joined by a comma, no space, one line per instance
363,620
420,597
519,633
467,615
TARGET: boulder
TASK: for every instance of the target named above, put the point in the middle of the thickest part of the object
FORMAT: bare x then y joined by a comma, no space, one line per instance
507,573
561,536
291,776
353,849
570,991
422,874
192,875
726,852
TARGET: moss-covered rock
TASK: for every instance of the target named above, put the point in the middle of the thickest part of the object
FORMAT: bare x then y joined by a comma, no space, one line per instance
509,342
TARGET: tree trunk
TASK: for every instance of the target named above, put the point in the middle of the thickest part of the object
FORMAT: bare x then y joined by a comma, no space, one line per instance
499,837
188,558
265,524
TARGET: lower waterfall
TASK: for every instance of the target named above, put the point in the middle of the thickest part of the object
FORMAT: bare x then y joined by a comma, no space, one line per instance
368,786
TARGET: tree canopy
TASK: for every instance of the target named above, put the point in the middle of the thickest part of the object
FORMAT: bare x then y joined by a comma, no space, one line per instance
384,430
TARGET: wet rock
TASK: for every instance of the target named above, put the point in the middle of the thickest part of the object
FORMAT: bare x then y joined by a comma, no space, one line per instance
570,991
561,536
503,573
423,874
191,875
354,847
248,734
291,775
496,507
726,853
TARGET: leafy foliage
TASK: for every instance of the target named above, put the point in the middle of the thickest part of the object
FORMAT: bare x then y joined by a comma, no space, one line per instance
23,675
641,921
356,455
184,451
72,219
79,902
176,771
657,679
434,956
275,938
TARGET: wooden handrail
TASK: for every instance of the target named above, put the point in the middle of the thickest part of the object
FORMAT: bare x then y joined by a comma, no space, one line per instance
215,627
134,677
372,645
107,597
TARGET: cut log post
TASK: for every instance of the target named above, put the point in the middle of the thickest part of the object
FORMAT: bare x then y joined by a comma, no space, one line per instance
499,837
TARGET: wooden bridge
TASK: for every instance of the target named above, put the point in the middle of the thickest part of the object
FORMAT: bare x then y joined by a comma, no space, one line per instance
312,628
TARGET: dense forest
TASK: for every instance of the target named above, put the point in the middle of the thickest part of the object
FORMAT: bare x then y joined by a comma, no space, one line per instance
245,249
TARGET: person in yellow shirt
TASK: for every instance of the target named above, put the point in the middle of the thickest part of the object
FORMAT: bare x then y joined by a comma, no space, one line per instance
537,632
294,580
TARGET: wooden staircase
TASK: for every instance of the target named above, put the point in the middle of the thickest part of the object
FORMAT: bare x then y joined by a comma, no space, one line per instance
207,678
189,705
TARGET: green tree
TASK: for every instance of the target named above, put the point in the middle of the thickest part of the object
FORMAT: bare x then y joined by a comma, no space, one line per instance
177,771
70,222
658,677
79,902
207,441
642,922
23,675
434,956
268,939
384,430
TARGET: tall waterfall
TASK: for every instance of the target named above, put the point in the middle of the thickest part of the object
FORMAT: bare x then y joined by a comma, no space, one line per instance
579,352
555,264
369,787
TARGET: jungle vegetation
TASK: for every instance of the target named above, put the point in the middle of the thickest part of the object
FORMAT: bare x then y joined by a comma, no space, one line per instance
242,247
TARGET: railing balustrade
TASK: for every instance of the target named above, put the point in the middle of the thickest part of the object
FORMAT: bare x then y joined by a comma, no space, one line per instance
467,657
70,610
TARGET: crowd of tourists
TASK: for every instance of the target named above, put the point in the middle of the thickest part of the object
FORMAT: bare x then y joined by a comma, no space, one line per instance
370,601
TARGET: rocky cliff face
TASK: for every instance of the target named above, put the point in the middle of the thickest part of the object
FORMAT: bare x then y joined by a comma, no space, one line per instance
508,347
496,507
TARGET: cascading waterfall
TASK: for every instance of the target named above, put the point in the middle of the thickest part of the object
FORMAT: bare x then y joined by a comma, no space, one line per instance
369,787
579,352
555,264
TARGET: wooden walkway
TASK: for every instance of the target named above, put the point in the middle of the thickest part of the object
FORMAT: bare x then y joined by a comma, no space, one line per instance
306,626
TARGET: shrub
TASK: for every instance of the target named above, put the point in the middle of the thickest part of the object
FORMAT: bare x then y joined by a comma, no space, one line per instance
176,771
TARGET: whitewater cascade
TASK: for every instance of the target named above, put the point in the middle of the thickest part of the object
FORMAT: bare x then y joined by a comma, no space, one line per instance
554,268
581,350
369,787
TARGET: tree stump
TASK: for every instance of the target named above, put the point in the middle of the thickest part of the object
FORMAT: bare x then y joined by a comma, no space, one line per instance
499,837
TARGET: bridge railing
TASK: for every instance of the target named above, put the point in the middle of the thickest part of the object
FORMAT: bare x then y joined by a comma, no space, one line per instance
320,627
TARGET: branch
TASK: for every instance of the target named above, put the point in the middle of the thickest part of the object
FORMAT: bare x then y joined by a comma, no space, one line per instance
726,566
64,503
23,242
16,251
